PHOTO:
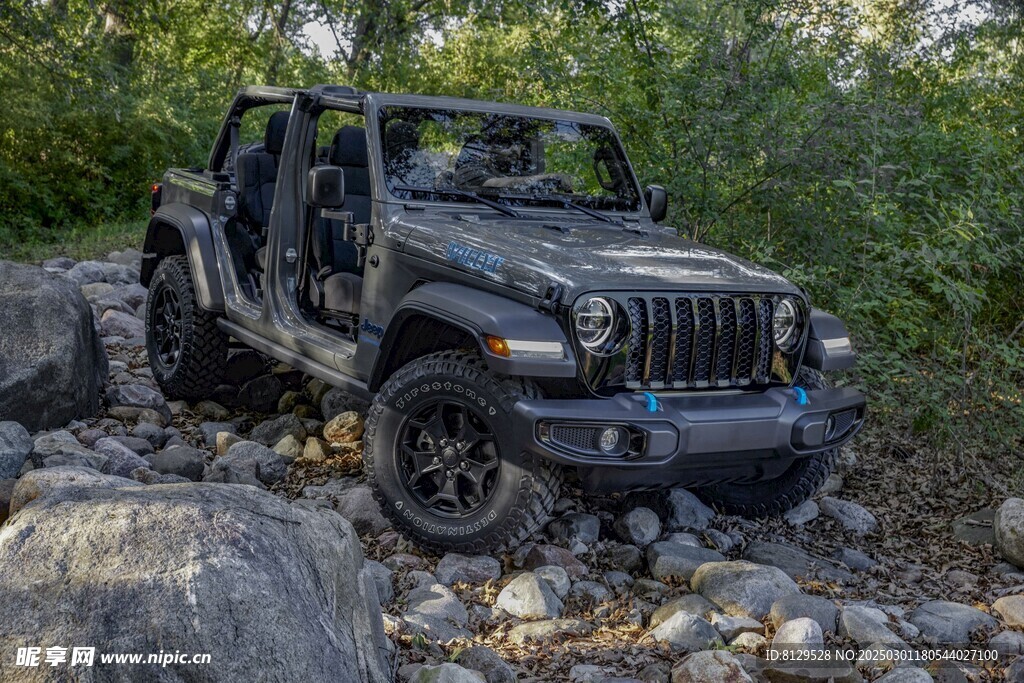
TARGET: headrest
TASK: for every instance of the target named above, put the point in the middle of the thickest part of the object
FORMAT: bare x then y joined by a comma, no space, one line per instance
349,147
273,139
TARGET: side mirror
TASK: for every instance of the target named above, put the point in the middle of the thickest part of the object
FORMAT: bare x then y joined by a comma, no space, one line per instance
325,187
657,202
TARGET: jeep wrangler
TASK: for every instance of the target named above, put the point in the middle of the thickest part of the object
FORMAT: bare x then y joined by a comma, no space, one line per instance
495,281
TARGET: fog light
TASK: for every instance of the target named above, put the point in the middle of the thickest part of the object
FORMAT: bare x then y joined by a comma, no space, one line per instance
614,441
830,428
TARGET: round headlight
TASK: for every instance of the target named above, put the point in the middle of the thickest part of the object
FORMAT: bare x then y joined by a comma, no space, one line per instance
595,321
786,325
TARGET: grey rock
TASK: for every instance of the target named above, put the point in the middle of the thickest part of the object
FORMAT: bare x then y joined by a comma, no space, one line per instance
271,431
156,436
473,569
331,489
627,558
34,484
244,366
270,468
685,632
690,603
798,635
53,363
117,274
730,627
798,606
866,626
710,666
212,410
59,263
803,513
6,491
1008,530
381,576
138,396
182,461
976,528
87,437
742,588
246,554
575,525
677,508
719,540
224,470
834,484
147,476
15,447
795,562
542,555
76,459
1006,642
675,560
590,592
950,622
445,673
850,515
134,295
261,394
289,448
135,444
210,430
854,559
121,460
337,401
640,526
1011,609
618,579
86,273
906,674
528,596
749,642
116,323
358,506
556,578
95,290
488,662
548,630
684,538
435,611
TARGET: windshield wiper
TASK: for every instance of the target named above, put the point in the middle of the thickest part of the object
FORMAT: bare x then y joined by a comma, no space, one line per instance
466,194
565,203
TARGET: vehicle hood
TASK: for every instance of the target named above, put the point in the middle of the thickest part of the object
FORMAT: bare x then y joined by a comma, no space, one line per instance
582,256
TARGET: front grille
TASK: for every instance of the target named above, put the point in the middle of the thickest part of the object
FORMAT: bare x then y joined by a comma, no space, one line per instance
576,438
694,342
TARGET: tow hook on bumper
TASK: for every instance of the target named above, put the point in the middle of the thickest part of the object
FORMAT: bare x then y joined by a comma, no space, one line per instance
644,430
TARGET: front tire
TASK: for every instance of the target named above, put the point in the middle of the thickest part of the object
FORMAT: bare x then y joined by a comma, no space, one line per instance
780,494
187,351
437,455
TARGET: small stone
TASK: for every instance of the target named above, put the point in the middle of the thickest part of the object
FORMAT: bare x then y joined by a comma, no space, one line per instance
718,540
6,492
344,428
446,673
685,632
850,515
88,437
288,401
114,323
1008,530
121,460
135,444
640,526
529,597
556,578
289,448
854,559
137,414
154,435
316,450
436,612
675,560
590,592
749,642
798,606
803,513
148,476
261,394
15,447
795,562
691,603
548,630
1006,643
684,538
270,467
1011,609
627,558
138,396
225,440
798,635
710,666
575,525
381,576
488,662
650,589
212,410
678,508
271,431
337,401
730,627
742,588
906,674
866,626
950,622
543,555
472,569
618,579
182,461
359,507
976,529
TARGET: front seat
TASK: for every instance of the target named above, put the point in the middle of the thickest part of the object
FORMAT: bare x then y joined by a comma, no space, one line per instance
256,175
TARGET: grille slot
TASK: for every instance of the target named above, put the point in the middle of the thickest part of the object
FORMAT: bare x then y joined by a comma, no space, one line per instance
576,438
694,342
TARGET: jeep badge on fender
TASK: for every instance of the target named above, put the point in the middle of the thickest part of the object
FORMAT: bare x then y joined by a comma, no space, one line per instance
525,312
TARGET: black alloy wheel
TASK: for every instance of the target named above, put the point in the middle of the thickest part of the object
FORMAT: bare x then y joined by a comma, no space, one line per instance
166,323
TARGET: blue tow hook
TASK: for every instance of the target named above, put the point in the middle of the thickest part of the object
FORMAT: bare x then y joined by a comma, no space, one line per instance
652,402
801,396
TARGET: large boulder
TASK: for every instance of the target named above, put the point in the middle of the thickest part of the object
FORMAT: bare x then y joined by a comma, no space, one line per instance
742,588
52,362
1008,525
228,556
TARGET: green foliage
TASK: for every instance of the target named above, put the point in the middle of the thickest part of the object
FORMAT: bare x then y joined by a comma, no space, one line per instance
870,151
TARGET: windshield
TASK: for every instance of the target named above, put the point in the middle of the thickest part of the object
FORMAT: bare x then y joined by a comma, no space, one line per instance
518,160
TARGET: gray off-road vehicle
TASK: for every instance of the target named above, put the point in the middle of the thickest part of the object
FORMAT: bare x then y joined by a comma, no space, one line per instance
495,280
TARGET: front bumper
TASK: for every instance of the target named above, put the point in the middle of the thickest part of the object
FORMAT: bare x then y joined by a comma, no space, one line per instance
689,439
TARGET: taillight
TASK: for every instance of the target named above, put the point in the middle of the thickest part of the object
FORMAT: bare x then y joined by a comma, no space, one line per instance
156,190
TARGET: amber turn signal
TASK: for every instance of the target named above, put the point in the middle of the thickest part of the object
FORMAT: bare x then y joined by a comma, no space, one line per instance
498,346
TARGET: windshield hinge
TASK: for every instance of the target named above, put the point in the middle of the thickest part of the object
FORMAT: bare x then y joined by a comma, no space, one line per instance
550,302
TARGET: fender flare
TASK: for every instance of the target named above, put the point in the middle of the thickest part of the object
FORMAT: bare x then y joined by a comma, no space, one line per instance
828,343
181,229
480,314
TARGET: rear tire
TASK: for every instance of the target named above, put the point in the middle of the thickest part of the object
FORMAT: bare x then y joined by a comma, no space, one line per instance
187,351
471,494
775,496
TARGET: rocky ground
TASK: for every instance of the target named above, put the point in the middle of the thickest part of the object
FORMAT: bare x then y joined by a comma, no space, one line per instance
897,551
